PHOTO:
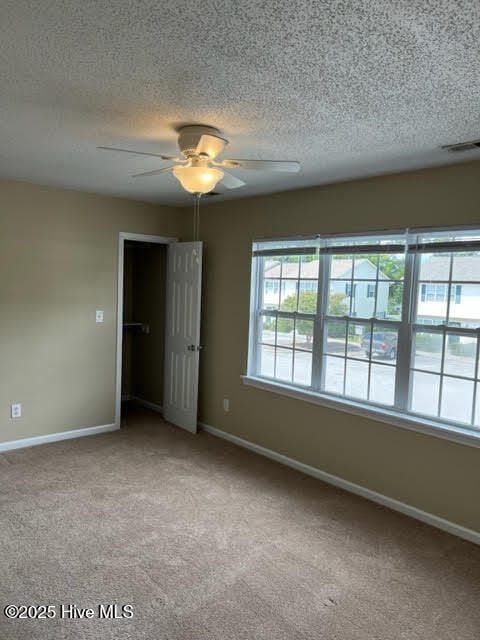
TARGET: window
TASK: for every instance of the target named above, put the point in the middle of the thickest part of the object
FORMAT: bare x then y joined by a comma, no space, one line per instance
272,286
284,348
439,292
385,320
349,290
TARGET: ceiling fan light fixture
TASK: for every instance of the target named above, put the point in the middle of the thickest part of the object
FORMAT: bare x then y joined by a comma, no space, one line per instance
198,179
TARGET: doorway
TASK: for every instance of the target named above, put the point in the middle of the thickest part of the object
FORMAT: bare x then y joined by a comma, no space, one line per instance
158,326
142,286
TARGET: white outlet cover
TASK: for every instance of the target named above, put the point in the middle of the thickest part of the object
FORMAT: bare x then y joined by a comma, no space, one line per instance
99,315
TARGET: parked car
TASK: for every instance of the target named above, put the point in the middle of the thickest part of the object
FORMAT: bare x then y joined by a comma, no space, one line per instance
384,344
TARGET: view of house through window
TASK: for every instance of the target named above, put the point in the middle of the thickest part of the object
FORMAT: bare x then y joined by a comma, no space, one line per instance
389,320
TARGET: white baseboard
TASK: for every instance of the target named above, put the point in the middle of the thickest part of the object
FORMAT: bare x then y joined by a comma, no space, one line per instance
55,437
147,404
379,498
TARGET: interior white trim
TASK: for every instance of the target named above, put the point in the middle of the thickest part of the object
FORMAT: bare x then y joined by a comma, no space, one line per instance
379,498
139,237
147,404
55,437
379,414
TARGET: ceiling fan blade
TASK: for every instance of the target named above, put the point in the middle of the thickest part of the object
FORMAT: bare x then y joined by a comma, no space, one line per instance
291,166
231,182
141,153
210,146
152,173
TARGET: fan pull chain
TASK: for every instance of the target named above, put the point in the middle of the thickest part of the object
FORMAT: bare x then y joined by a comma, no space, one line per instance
196,216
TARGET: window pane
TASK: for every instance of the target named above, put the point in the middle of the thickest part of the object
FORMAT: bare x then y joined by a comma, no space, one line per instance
363,299
268,330
335,336
307,298
338,300
382,384
457,398
304,334
460,355
284,364
392,266
365,267
309,268
465,304
356,334
290,267
341,267
334,371
356,382
267,361
289,295
272,268
394,300
285,331
302,370
425,390
427,352
466,266
431,303
382,345
271,293
434,266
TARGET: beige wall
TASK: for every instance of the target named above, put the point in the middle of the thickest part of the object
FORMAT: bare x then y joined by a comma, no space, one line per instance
429,473
58,264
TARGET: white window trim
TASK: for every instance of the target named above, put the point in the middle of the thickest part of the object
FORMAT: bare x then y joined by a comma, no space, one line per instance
379,414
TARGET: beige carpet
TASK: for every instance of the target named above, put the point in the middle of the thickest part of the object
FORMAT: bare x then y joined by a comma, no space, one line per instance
210,542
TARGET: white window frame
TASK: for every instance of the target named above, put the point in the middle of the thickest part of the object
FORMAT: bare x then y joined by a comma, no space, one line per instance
400,414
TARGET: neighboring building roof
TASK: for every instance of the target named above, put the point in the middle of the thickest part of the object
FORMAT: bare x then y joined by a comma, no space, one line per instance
343,268
433,268
340,269
464,268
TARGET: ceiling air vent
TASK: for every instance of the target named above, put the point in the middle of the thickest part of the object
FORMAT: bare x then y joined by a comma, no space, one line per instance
462,146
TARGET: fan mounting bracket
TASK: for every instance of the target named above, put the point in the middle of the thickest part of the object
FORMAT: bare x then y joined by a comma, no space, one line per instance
189,137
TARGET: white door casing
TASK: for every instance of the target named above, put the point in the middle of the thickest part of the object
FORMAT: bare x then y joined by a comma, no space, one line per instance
182,334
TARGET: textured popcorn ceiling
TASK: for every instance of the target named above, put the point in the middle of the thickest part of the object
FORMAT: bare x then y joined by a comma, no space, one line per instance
347,88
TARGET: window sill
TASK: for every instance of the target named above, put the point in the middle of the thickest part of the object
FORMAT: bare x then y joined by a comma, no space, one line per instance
421,425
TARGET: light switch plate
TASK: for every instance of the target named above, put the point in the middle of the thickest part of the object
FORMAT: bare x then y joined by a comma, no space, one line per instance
99,315
16,410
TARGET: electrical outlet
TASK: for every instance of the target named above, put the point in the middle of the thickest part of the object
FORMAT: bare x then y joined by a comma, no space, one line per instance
226,404
99,316
16,410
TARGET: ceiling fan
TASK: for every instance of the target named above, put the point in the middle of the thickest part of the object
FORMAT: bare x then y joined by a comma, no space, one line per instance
198,169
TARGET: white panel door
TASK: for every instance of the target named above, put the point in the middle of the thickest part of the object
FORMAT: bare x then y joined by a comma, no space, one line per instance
182,334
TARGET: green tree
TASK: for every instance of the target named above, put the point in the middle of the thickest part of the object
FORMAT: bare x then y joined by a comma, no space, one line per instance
307,303
337,307
336,304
